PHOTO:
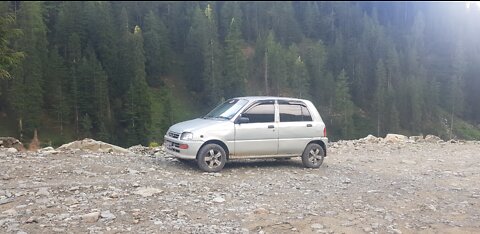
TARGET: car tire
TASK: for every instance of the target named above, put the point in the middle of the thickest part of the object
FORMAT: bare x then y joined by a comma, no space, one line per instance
211,158
313,155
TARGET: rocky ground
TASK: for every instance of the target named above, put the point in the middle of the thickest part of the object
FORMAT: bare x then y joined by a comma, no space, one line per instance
364,186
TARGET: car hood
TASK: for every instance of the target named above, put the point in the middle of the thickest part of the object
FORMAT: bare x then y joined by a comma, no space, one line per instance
195,124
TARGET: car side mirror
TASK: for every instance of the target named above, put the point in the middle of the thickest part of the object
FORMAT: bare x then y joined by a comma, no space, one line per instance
243,120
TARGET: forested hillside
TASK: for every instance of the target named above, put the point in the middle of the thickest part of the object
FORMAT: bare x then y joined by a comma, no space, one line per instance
122,72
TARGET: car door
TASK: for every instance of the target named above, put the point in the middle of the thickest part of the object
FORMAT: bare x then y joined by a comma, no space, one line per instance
259,136
295,127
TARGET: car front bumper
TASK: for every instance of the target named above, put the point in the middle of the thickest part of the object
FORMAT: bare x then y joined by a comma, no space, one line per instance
172,146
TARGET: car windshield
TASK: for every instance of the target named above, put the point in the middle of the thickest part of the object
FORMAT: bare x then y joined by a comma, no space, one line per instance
227,109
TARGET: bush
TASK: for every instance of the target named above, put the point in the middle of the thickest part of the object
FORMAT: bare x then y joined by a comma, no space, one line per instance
153,144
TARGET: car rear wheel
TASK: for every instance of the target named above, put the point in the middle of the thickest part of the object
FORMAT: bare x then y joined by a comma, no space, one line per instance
211,158
313,156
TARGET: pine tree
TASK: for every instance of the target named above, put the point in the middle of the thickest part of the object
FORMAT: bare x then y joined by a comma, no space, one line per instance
196,46
9,57
455,95
380,96
157,50
343,106
275,66
26,91
230,10
213,91
297,73
102,35
235,64
138,104
55,86
73,60
86,126
321,88
310,20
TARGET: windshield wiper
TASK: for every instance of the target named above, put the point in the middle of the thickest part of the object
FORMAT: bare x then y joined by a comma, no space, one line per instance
221,117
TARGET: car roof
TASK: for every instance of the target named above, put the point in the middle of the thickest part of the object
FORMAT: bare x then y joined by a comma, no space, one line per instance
256,98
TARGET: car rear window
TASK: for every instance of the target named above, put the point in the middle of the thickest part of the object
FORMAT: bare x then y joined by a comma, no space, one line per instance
293,112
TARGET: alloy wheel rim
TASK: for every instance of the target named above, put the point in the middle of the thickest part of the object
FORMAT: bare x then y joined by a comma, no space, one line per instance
213,158
314,156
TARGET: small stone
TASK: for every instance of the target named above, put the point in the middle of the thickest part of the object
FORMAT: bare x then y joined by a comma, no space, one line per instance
181,213
91,217
347,181
409,162
12,150
367,229
74,188
32,219
5,201
261,211
317,226
43,192
218,200
147,191
10,212
107,215
60,230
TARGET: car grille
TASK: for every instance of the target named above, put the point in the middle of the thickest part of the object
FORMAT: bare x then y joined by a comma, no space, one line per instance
170,145
173,134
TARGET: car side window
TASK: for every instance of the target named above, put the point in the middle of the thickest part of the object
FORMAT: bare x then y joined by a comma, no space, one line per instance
293,112
261,113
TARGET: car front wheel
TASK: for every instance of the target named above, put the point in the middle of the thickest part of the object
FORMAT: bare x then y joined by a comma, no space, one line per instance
313,156
211,158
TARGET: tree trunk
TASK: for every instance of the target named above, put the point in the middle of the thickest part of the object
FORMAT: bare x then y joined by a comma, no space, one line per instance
266,73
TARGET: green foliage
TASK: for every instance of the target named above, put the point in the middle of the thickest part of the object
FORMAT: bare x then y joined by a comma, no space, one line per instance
9,57
196,46
343,106
235,64
157,51
87,68
86,126
56,94
26,92
138,103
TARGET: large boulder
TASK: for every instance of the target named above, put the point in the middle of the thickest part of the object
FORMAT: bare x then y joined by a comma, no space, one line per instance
433,139
395,138
416,138
370,139
10,142
93,146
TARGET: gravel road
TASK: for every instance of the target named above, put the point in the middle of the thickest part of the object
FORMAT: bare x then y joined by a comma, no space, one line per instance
361,188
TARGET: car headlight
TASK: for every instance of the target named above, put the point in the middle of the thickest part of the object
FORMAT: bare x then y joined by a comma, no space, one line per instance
186,136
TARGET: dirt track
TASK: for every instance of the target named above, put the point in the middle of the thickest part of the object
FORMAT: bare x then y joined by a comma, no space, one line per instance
378,188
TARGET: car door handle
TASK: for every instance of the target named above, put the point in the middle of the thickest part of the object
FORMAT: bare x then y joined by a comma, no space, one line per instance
309,125
270,126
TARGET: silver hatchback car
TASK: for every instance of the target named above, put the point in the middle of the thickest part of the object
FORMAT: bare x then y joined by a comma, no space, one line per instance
251,127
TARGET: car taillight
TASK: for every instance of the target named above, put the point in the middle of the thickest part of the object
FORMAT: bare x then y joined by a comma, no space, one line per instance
325,132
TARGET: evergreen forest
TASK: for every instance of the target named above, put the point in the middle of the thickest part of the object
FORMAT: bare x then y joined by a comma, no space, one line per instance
123,72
